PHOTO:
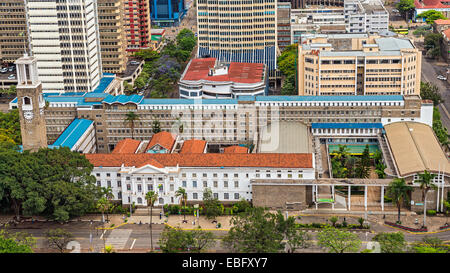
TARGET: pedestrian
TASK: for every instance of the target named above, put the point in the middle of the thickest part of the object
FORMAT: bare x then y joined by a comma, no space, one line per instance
160,215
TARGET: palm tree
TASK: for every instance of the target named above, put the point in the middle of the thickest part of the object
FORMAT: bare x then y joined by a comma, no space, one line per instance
426,184
151,198
398,191
103,205
130,118
183,198
107,193
342,153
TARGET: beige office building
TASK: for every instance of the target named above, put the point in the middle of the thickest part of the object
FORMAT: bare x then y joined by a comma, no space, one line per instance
113,41
13,30
238,31
358,64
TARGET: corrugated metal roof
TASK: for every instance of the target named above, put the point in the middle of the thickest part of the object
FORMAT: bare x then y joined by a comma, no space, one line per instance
72,133
346,125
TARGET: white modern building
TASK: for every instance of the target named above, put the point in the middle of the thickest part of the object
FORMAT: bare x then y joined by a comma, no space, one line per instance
366,16
131,176
207,78
63,36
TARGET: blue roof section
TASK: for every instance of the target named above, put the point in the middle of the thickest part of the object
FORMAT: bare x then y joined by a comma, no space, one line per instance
189,101
346,125
72,133
104,83
331,98
123,99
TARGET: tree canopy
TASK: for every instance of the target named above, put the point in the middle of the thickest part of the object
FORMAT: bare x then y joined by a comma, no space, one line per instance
338,241
430,91
391,242
16,242
174,240
53,182
432,15
287,64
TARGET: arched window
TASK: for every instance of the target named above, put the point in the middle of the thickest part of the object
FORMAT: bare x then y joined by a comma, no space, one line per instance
139,200
26,101
161,201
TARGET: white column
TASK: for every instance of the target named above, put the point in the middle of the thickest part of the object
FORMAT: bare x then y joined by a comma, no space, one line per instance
316,188
349,197
382,198
365,197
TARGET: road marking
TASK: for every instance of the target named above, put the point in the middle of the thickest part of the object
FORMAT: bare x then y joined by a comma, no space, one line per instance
118,238
132,245
101,237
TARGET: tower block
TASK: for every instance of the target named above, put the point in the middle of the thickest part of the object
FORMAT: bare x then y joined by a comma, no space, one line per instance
30,104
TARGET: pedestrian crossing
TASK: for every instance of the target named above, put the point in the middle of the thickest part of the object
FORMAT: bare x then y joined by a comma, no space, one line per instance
118,238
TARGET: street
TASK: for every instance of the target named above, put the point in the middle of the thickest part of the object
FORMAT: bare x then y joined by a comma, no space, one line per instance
429,73
189,21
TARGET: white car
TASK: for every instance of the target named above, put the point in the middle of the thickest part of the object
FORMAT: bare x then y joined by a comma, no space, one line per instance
4,70
440,77
134,62
11,77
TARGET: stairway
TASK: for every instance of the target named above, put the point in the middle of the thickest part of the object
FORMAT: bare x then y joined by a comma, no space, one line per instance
390,169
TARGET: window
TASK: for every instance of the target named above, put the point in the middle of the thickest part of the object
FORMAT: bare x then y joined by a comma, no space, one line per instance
225,184
216,195
109,184
205,175
194,195
205,184
171,187
139,187
99,184
194,184
236,196
97,174
194,175
215,184
183,184
119,183
236,184
119,195
225,196
139,200
225,175
236,175
149,187
128,187
300,175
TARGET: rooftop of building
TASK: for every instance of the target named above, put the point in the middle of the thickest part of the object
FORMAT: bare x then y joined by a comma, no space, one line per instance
415,148
193,146
285,137
446,33
235,150
200,69
431,4
442,22
126,146
203,160
346,125
70,136
163,139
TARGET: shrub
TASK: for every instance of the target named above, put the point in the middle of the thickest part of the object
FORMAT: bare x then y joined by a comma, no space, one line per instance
431,212
112,225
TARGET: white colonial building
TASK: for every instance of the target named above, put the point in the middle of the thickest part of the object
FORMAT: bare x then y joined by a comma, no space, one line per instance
228,175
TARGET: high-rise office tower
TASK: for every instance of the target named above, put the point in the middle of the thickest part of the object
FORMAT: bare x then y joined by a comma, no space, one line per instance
137,24
167,12
13,30
64,38
113,41
238,31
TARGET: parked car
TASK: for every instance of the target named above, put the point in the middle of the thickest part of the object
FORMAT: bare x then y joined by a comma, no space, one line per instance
134,62
11,77
440,77
11,68
4,70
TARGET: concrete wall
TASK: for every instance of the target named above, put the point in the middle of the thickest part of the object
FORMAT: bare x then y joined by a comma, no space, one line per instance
276,196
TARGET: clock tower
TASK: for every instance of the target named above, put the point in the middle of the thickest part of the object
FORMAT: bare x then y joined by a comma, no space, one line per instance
31,104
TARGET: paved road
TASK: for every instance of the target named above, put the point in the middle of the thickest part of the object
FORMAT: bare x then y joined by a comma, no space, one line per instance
189,21
429,73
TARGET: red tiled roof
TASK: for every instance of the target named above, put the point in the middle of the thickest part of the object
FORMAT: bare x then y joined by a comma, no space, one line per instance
442,22
236,150
446,33
237,72
203,160
430,4
126,146
165,139
193,146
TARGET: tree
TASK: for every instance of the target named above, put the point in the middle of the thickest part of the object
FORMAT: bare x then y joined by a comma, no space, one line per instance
288,88
333,220
338,241
103,205
399,192
379,170
10,125
58,239
431,15
405,7
183,198
201,240
287,64
16,242
430,91
255,231
130,118
361,222
430,245
149,55
426,184
391,242
446,209
211,204
439,129
432,42
173,240
295,238
151,198
156,127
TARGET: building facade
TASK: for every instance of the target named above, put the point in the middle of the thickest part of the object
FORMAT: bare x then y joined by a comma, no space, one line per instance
365,16
167,13
208,79
13,31
238,31
283,25
65,42
113,43
137,24
358,64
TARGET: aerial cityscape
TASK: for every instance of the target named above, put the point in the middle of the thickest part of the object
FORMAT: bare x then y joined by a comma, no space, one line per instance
224,126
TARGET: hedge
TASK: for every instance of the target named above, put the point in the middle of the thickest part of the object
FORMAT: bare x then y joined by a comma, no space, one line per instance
406,228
